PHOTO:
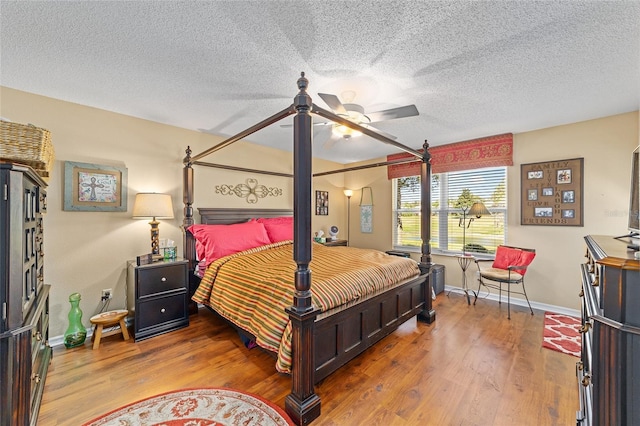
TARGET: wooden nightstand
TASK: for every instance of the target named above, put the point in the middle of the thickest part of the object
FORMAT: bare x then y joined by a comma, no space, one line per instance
158,296
336,243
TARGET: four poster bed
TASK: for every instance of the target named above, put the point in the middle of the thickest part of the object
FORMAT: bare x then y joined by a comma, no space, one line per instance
314,330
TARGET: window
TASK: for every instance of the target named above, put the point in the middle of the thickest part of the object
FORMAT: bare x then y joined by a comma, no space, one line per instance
449,193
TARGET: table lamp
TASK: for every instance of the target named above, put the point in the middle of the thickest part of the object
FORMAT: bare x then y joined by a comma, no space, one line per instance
156,206
478,209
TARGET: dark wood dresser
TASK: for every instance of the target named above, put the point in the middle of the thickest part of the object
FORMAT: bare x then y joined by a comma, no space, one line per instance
24,298
609,369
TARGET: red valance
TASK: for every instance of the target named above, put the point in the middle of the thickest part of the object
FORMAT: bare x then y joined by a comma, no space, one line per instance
490,151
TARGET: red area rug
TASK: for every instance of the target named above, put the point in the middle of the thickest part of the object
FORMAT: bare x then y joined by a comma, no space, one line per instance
561,333
201,407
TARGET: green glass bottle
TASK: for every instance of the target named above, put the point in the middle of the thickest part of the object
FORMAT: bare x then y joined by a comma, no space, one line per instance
76,333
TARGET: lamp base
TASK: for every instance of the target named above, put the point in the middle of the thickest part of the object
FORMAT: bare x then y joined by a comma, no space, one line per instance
155,233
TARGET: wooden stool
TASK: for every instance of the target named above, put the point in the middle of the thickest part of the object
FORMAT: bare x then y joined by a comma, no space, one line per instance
109,319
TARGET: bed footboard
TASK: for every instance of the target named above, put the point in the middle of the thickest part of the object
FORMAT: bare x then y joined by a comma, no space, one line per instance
343,335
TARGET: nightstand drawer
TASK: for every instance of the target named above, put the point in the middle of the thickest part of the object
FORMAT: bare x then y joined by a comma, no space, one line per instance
159,311
153,280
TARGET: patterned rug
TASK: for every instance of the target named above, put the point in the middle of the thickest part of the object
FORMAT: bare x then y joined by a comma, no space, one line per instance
197,407
561,333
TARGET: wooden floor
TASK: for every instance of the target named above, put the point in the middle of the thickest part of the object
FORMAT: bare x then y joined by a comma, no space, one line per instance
471,367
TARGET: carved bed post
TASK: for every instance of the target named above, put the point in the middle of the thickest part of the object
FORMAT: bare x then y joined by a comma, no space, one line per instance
302,404
187,199
428,314
188,242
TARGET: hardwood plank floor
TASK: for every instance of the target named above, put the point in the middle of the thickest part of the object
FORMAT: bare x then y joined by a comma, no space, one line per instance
471,367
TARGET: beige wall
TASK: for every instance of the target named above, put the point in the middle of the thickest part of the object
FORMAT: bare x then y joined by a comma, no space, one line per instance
87,251
605,144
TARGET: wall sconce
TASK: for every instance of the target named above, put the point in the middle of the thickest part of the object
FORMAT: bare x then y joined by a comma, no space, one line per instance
348,193
477,210
156,206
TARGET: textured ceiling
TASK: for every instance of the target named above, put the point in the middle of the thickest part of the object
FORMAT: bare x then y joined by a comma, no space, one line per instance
472,69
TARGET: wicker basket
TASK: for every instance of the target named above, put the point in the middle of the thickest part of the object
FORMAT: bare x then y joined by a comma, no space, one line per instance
27,144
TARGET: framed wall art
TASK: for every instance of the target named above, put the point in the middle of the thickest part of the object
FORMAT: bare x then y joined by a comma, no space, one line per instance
551,193
322,203
94,188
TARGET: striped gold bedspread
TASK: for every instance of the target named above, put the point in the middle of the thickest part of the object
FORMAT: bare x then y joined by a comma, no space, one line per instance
252,288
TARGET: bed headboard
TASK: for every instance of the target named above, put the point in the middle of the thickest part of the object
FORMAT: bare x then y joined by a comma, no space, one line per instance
214,216
219,216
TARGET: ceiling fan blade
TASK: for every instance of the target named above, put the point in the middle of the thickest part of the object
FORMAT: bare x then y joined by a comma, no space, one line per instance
393,113
375,129
333,102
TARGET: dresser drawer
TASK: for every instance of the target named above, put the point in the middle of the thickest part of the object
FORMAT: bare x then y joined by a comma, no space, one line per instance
153,280
161,314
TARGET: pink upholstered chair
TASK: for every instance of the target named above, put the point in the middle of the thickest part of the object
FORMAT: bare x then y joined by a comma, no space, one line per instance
509,268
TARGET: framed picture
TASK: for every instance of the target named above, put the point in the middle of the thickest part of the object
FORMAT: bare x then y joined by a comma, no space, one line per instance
322,203
366,218
551,193
564,176
568,196
94,188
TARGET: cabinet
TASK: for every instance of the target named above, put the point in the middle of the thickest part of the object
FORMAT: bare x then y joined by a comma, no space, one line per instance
24,298
158,297
608,371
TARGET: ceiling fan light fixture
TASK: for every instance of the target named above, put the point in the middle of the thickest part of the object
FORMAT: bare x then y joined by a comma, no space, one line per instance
344,131
355,113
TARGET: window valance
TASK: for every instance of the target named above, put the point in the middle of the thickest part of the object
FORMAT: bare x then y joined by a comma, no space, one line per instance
490,151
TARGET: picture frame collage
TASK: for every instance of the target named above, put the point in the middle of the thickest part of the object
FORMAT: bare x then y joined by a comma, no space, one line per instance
551,193
322,203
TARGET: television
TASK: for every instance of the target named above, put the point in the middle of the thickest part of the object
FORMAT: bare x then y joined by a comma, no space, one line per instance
634,200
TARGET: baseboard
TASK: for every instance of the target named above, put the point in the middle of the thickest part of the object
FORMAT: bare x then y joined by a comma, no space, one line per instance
484,295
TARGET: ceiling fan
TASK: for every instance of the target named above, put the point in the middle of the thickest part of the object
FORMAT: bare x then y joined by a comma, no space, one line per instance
356,113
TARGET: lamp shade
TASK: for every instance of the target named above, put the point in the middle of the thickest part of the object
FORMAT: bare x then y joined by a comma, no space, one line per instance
478,209
151,204
348,192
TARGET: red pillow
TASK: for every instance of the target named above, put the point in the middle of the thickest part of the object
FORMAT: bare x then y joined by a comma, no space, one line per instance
507,256
526,257
278,228
222,240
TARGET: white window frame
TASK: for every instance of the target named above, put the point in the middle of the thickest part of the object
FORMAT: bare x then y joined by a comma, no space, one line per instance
452,215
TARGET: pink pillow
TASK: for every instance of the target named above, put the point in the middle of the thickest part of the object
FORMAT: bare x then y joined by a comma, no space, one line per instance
217,241
277,220
279,232
278,228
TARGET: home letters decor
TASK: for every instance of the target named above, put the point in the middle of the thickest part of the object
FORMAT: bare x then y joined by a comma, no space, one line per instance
551,193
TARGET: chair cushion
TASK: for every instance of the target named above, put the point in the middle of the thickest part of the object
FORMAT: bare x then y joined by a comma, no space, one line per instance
497,274
509,256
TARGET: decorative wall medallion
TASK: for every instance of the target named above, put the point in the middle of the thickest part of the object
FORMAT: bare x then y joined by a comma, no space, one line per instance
251,190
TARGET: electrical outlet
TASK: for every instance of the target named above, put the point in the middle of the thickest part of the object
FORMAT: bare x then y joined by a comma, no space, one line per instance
107,293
